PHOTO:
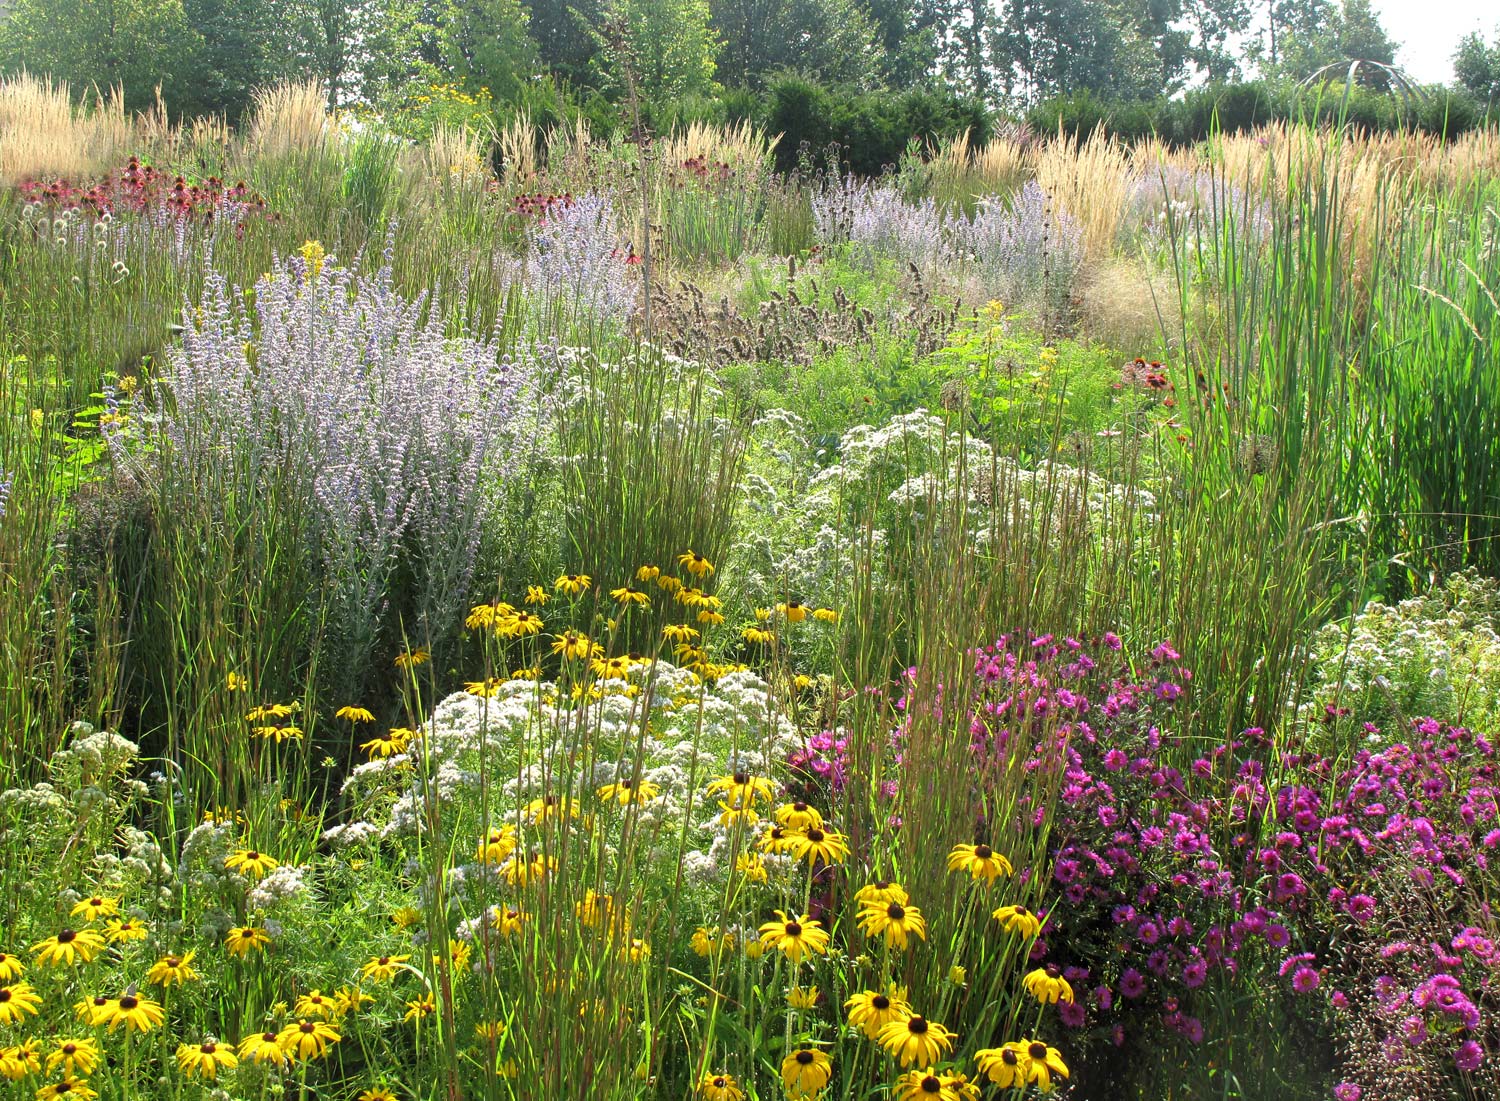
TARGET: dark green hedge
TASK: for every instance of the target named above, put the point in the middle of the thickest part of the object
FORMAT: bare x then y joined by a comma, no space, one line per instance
1233,107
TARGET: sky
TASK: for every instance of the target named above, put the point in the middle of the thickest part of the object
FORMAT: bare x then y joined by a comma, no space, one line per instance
1426,32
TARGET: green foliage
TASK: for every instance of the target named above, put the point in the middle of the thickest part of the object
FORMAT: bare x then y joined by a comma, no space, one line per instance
1202,112
672,46
871,130
1436,654
830,41
135,44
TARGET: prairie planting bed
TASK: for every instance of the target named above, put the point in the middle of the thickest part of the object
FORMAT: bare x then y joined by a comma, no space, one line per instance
613,620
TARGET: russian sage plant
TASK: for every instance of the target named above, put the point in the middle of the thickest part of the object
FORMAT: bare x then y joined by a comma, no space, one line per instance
577,259
879,224
393,435
1024,250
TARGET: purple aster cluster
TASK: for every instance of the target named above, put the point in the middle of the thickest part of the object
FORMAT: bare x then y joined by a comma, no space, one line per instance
1355,887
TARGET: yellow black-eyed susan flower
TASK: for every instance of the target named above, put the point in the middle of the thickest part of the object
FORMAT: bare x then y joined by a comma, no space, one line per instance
679,632
695,563
573,583
826,615
95,907
611,668
733,815
484,689
267,711
915,1040
236,683
315,1003
519,625
895,922
758,636
980,861
805,1072
383,968
668,583
11,967
17,1002
719,1087
134,1013
533,869
69,946
307,1039
1043,1065
69,1089
392,744
410,659
796,938
205,1060
1005,1065
625,791
536,596
626,595
1046,984
647,573
496,845
74,1056
550,808
244,939
707,942
871,1010
262,1047
507,920
881,891
574,646
19,1060
742,789
802,997
794,611
925,1085
419,1009
799,816
376,1093
752,866
173,970
776,840
815,845
122,930
250,863
485,616
354,714
1018,920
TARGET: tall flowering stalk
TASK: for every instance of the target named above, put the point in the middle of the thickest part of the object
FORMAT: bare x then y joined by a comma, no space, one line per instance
392,434
1025,249
577,259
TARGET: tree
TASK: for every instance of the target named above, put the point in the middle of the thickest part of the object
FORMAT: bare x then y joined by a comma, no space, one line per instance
566,36
672,46
137,45
484,44
1306,36
1476,67
1052,47
236,47
834,41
